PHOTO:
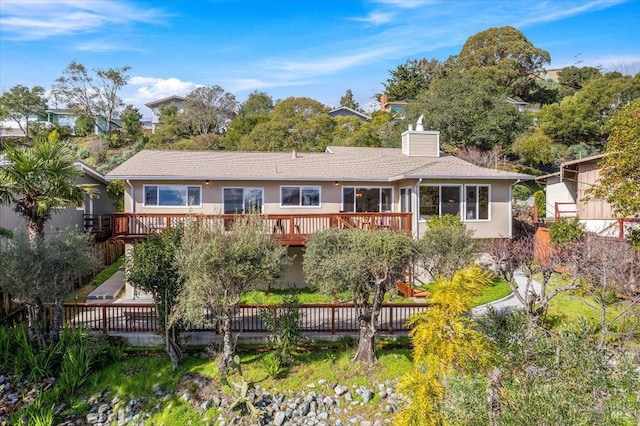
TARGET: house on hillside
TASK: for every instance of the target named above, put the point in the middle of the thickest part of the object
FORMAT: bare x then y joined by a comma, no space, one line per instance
300,193
567,196
156,105
397,107
93,216
344,111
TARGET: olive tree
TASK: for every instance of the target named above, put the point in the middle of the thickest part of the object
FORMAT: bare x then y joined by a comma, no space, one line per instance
218,265
38,270
153,268
365,263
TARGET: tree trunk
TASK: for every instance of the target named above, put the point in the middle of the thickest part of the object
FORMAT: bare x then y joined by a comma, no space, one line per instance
493,396
173,350
227,340
35,327
57,320
367,340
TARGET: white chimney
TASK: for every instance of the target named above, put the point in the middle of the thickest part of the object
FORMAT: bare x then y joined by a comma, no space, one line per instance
420,142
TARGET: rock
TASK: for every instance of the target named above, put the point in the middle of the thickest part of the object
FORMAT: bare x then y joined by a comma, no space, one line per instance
340,390
206,405
367,395
92,418
303,409
103,408
279,418
348,397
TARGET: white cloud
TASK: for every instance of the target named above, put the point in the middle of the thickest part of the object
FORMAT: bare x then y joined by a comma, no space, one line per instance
546,14
406,4
375,18
152,88
32,20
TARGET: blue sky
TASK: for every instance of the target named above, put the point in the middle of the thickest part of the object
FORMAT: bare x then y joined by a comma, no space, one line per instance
313,48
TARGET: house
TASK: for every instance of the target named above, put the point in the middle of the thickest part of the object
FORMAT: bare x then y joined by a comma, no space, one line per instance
94,215
300,193
518,103
157,105
567,196
396,107
344,111
56,117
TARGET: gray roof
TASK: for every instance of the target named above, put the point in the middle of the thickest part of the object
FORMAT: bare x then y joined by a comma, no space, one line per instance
166,100
336,163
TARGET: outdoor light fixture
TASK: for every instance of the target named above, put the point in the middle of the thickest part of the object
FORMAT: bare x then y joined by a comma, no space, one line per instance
206,182
336,183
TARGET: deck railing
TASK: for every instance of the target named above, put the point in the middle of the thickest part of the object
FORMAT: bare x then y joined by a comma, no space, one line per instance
290,229
314,318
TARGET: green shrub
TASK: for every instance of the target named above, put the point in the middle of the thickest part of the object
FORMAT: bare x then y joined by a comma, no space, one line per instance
521,193
284,322
540,198
445,221
273,365
566,231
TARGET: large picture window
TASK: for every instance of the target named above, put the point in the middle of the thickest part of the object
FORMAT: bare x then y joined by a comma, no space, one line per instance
405,200
300,196
439,200
242,200
476,202
371,200
172,195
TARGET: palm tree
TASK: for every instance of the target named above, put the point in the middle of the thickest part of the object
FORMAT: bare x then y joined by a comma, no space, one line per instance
36,181
39,179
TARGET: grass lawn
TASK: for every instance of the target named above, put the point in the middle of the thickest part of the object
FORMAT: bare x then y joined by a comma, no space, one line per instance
80,294
305,295
497,291
140,374
568,307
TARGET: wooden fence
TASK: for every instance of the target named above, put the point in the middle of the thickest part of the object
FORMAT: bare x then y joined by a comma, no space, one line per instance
317,318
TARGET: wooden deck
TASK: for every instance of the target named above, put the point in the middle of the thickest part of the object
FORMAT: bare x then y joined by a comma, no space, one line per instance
289,229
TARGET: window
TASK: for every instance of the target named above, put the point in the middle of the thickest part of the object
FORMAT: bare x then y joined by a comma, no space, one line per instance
476,202
172,195
242,200
439,200
367,199
300,196
405,200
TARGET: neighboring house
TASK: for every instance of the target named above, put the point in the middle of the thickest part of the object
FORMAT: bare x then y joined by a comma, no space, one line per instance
518,103
344,111
397,107
94,215
300,193
566,194
156,105
59,117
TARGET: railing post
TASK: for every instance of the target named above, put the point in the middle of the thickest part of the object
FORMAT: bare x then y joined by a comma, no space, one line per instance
391,319
333,319
104,319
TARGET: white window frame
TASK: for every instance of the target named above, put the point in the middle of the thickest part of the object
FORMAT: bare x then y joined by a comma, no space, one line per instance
440,186
300,188
158,185
379,188
244,188
477,203
409,201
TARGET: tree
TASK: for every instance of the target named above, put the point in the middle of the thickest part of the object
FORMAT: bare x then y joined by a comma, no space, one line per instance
468,111
504,55
38,270
444,340
218,266
257,103
40,179
131,124
208,110
300,124
170,130
569,122
415,76
446,246
572,79
83,126
619,181
153,268
95,96
348,101
534,148
367,264
20,102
